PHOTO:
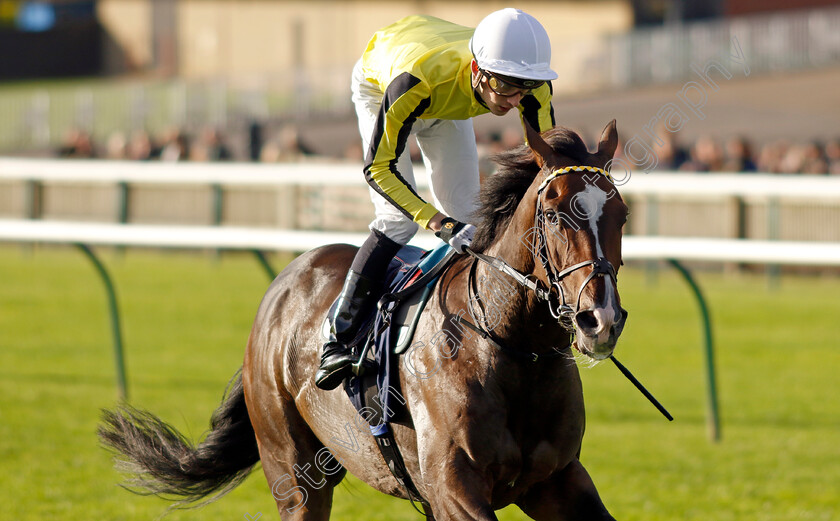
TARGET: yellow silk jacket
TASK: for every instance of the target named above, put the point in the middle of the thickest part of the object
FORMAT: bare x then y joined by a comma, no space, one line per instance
422,66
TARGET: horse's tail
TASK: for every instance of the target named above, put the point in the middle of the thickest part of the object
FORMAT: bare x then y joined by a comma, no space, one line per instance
163,462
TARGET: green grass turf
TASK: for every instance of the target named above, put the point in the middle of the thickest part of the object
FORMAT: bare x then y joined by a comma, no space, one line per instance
186,318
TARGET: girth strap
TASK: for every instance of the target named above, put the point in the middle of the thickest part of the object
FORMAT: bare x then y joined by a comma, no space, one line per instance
393,458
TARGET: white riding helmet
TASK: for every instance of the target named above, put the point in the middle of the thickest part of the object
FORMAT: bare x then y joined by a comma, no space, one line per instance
513,43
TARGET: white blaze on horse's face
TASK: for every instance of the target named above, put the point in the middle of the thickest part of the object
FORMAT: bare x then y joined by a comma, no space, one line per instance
599,324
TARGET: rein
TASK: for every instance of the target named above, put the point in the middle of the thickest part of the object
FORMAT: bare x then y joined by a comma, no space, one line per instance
487,335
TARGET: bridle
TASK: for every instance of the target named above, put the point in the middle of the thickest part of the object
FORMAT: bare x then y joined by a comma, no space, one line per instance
554,295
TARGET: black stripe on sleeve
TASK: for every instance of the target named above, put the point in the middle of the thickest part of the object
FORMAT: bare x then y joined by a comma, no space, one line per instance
399,86
531,110
551,105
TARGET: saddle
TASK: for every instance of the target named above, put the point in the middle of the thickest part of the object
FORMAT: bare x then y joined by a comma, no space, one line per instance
387,332
409,280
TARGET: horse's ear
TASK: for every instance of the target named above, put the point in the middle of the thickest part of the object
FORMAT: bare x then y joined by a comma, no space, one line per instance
542,150
608,142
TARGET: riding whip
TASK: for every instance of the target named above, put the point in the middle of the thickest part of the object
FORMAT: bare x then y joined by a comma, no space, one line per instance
626,372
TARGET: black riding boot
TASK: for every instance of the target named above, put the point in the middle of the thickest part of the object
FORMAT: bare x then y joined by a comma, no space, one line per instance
357,297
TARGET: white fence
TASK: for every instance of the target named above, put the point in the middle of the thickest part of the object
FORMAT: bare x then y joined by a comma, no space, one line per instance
793,253
332,196
317,173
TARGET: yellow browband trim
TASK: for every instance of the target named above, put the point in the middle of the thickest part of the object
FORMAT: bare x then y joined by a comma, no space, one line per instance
560,171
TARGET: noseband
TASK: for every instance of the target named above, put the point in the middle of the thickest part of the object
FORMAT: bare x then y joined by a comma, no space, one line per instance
554,295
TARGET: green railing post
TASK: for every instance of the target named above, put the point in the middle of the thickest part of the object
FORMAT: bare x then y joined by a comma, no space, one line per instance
774,271
123,198
123,201
651,229
217,208
218,204
711,380
34,203
116,331
263,260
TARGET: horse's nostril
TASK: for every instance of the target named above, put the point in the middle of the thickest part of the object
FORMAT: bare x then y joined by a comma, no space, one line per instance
623,318
586,321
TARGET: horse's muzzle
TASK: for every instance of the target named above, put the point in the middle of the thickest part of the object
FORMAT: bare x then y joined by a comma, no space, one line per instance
598,330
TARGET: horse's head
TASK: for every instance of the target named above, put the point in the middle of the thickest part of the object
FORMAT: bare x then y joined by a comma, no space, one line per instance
579,217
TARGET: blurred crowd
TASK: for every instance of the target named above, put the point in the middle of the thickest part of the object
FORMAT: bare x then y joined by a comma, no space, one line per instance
738,154
284,144
707,154
174,144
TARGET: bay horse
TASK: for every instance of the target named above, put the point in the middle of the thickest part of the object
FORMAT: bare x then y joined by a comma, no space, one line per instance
493,419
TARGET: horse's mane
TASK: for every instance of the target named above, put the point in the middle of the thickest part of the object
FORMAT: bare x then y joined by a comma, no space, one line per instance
501,193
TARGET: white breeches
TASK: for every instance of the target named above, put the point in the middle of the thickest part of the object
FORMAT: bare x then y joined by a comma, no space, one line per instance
449,154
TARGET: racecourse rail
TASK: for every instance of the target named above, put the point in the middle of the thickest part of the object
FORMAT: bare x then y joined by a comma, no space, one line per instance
314,173
674,250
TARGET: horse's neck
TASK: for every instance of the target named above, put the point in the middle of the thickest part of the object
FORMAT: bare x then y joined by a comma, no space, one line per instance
522,317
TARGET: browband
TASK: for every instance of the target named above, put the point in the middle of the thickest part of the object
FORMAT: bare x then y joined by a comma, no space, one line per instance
560,171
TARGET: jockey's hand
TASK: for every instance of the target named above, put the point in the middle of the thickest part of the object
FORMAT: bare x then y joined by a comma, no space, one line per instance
459,235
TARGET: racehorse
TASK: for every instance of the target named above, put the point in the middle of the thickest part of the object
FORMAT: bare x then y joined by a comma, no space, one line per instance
495,411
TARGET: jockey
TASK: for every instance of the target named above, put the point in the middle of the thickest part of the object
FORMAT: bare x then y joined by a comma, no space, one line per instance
428,77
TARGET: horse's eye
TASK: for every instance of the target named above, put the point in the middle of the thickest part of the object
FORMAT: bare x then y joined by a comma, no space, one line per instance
551,217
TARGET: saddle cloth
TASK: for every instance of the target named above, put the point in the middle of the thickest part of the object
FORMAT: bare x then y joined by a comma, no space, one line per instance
410,278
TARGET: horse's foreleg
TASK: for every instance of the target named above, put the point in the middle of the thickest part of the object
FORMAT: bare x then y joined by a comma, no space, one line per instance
459,492
568,496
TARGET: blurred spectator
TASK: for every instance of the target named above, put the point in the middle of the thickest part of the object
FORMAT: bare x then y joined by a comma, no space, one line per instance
705,156
511,138
287,146
115,146
781,157
739,156
832,156
793,160
813,161
176,146
495,144
139,147
770,158
77,144
211,146
271,152
255,141
671,154
487,147
353,152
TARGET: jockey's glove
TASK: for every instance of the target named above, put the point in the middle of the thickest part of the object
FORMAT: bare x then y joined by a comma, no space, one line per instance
459,235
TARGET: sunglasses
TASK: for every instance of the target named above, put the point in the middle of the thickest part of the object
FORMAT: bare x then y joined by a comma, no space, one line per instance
510,87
